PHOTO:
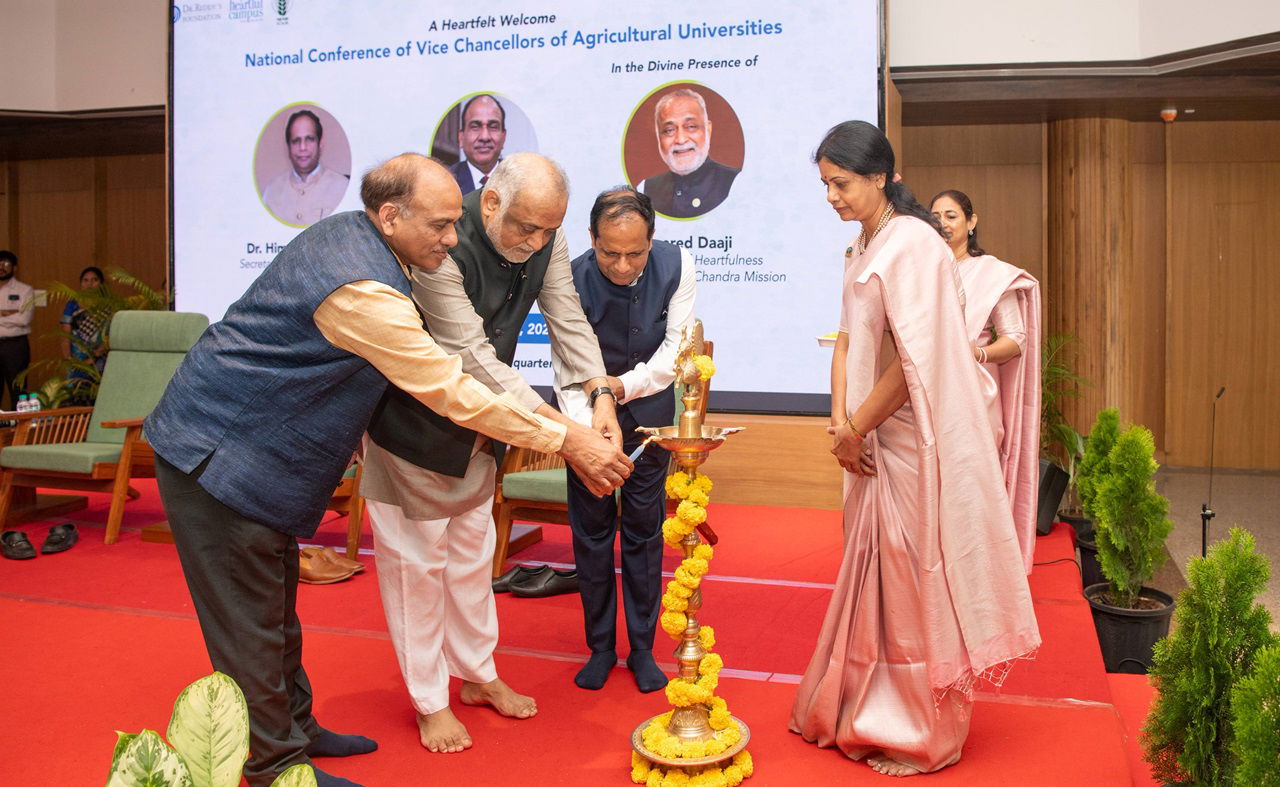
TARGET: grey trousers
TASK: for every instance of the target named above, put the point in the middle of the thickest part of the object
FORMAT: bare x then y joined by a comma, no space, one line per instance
243,578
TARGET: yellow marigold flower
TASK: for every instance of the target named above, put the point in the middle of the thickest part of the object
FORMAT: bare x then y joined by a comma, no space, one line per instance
703,552
695,566
707,635
674,603
687,578
711,664
674,623
640,773
720,719
715,746
706,368
743,760
733,775
691,514
718,704
707,686
655,778
676,778
698,497
691,749
731,735
677,485
680,591
668,748
703,482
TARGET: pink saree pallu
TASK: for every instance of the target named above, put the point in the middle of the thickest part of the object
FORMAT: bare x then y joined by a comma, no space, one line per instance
931,595
1004,296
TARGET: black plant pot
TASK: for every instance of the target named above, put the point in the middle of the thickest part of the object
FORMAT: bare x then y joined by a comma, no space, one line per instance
1090,568
1127,637
1082,525
1053,485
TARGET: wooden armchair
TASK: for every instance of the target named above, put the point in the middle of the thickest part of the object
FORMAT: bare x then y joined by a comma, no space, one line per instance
99,448
347,500
532,486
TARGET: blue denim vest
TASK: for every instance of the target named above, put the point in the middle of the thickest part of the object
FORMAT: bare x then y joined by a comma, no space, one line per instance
631,322
275,408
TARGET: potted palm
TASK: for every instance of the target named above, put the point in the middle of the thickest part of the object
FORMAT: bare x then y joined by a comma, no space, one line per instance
1131,526
1060,444
1094,465
1220,631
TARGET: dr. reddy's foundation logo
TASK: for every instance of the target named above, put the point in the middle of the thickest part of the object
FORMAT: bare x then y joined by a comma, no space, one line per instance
245,10
282,12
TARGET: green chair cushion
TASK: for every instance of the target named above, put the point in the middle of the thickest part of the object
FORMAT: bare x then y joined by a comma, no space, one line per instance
62,457
548,486
156,331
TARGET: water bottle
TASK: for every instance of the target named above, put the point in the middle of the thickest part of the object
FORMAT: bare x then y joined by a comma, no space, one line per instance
33,403
24,403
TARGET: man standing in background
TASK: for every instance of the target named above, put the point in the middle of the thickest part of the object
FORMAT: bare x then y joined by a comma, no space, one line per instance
15,326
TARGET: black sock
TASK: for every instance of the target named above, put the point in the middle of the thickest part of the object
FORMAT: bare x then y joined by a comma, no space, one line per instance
328,780
648,676
331,744
596,672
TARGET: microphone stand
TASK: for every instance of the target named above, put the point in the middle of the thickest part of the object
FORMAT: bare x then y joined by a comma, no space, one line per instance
1207,513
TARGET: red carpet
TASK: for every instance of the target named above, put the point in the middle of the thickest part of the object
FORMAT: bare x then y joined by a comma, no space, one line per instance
102,638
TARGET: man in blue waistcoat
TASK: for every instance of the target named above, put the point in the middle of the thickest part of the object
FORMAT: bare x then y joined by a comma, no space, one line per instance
260,420
638,295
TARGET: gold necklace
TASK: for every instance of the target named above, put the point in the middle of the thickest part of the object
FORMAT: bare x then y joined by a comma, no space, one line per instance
863,239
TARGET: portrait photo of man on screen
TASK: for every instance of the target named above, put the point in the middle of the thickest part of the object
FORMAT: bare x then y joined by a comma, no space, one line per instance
306,190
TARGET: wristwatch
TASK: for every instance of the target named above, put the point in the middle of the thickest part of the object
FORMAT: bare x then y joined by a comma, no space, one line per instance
597,393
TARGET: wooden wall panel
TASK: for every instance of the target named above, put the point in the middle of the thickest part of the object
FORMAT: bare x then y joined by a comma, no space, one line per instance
999,167
1223,290
1142,284
61,215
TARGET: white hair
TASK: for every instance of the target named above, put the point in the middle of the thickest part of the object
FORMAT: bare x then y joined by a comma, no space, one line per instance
516,172
683,92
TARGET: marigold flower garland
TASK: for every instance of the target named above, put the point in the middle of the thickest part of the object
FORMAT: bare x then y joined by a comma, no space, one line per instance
694,495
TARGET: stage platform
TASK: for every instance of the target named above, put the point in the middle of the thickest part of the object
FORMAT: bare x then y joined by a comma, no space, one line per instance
102,638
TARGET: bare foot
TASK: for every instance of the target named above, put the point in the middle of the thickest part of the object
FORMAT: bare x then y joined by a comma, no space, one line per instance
891,767
501,697
442,732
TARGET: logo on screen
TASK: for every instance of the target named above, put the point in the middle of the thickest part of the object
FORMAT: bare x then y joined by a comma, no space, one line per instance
282,12
245,10
534,331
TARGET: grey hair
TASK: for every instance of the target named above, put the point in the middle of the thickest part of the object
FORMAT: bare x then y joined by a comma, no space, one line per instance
518,171
682,92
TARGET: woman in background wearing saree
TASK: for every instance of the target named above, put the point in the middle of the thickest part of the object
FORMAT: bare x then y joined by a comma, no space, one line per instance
930,595
1002,324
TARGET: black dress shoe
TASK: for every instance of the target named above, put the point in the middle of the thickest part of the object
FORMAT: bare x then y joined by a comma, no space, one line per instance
60,539
15,545
523,573
552,583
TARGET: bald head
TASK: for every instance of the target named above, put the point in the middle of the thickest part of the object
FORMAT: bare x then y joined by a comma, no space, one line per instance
523,204
413,202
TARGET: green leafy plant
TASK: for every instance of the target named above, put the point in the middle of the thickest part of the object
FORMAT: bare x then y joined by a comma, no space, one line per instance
1218,631
1095,462
1132,521
209,730
74,380
1255,710
1059,442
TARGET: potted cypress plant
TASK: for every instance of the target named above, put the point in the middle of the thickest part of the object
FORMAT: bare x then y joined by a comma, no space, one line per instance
1059,443
1219,636
1095,463
1131,526
1255,711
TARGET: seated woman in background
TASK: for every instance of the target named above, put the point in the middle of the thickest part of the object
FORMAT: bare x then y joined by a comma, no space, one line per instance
87,326
1002,324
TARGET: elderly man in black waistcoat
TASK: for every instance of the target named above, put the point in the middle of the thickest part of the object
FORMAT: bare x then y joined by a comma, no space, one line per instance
430,483
638,295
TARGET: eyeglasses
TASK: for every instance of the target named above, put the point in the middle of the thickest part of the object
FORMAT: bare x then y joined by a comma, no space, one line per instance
690,127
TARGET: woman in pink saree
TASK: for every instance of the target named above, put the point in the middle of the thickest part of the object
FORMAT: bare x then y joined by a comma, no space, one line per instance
931,595
1002,324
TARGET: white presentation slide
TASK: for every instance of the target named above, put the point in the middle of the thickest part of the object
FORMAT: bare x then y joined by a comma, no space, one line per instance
280,107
